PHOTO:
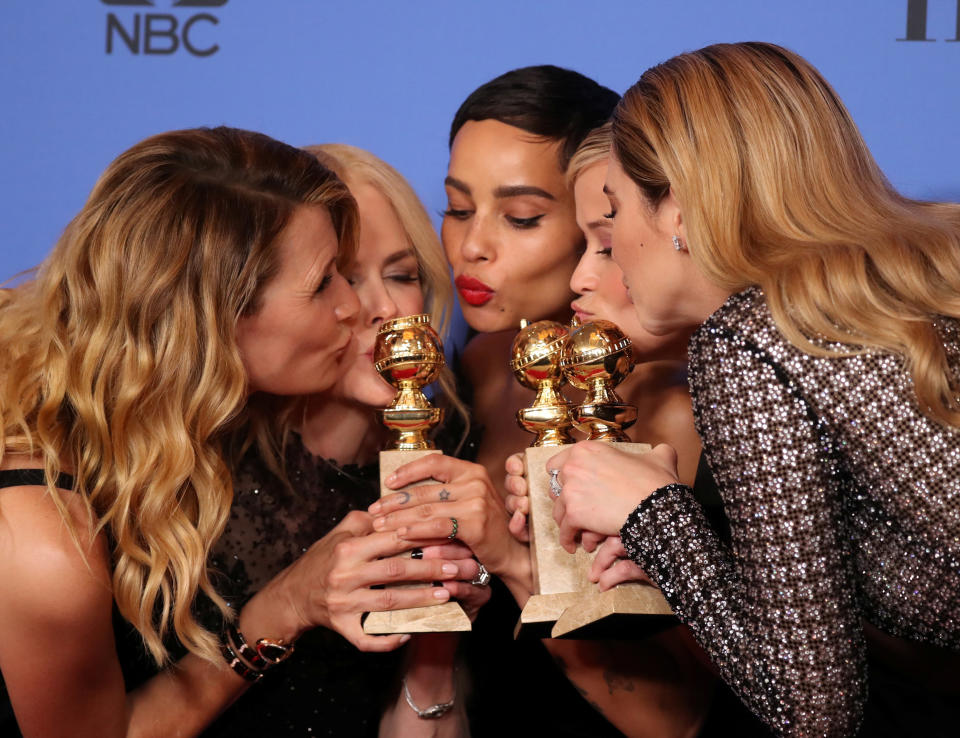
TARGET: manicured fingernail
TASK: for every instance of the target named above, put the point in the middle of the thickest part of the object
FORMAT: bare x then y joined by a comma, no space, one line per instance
390,480
404,638
449,569
374,508
378,523
441,594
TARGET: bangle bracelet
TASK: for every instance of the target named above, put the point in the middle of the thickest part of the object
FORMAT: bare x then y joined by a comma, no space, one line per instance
434,711
239,644
251,662
237,664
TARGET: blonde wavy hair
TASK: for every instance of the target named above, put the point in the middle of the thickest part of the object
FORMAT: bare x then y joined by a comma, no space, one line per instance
594,149
778,189
356,166
119,359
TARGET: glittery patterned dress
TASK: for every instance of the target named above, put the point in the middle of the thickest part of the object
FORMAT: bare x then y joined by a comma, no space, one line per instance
844,506
327,687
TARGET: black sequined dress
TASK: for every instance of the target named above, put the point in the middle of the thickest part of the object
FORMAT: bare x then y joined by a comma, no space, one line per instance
844,505
327,687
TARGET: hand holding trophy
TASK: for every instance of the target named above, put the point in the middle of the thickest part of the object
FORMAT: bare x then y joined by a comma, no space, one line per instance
594,357
409,355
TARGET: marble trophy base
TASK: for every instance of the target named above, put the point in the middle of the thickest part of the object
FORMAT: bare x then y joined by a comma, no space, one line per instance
566,603
441,618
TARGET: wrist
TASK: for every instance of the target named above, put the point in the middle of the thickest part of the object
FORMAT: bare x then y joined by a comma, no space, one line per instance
518,576
269,615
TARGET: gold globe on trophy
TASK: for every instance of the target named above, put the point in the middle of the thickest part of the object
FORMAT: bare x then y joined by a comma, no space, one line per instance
535,362
596,357
408,354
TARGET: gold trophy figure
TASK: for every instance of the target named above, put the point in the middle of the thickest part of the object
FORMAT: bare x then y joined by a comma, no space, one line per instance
596,357
536,354
536,364
409,355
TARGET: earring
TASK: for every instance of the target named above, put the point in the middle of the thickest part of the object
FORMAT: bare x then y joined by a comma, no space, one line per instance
677,243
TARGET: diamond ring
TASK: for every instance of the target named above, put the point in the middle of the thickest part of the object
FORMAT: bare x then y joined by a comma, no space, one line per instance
483,576
555,487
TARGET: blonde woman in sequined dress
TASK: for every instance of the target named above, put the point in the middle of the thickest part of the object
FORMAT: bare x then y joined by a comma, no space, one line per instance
824,369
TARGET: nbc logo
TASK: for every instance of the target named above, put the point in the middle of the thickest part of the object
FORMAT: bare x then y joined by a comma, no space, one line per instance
161,33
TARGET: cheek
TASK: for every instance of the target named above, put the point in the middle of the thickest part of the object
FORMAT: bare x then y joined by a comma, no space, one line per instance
408,299
451,235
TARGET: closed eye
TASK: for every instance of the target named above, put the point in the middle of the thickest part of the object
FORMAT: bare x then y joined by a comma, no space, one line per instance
523,223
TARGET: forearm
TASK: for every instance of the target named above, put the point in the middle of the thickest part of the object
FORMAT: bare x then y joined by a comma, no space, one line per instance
651,687
187,696
183,699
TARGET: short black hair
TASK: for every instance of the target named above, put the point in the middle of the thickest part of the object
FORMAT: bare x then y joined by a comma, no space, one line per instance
555,103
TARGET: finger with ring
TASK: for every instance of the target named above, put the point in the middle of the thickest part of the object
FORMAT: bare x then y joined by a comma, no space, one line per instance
483,576
555,487
456,527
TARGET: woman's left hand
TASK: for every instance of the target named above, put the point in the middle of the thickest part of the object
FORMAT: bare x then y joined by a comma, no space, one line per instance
425,513
601,486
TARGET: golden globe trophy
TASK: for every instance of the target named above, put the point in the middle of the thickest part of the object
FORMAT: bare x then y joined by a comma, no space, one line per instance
596,357
409,354
535,361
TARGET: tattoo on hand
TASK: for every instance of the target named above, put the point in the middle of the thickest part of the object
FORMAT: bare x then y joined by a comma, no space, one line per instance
444,495
406,498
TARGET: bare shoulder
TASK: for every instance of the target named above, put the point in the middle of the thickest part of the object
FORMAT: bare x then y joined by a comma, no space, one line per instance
45,572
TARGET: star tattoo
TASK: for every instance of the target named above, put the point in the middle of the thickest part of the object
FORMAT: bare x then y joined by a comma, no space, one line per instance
444,494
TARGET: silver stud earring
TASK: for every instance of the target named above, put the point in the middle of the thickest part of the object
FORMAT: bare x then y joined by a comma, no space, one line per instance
677,243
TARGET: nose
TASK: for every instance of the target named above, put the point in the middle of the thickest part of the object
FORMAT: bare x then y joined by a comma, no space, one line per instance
377,304
583,279
478,241
348,304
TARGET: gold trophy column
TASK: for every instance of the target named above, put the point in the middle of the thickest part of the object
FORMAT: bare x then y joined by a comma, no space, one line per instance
536,364
409,355
596,357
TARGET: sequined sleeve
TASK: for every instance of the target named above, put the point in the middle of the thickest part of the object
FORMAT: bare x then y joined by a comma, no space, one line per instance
776,610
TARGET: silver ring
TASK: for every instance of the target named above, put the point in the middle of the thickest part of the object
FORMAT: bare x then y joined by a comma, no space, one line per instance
555,487
456,527
483,576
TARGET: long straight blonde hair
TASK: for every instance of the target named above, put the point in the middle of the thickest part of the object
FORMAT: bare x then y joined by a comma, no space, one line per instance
778,189
119,359
356,166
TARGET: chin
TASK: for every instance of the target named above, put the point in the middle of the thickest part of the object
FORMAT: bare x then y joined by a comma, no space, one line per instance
489,321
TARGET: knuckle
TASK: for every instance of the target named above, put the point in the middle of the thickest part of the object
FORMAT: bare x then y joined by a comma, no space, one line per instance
386,599
425,511
394,568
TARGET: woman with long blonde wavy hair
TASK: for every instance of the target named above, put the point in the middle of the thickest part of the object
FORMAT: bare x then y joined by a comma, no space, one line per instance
202,271
328,451
825,375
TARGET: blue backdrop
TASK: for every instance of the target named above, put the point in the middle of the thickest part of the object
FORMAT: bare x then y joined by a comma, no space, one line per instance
81,80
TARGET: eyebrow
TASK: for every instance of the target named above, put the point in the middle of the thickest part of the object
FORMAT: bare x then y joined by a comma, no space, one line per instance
399,256
502,192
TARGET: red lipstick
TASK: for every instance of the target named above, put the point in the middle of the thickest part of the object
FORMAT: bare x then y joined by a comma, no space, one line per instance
473,291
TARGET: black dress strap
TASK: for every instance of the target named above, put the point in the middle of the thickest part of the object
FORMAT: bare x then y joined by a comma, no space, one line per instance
31,477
